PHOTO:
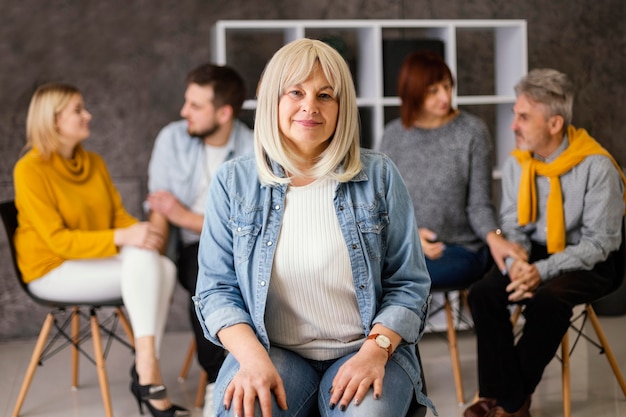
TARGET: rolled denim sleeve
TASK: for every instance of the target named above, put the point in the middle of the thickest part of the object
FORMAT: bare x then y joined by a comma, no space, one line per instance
218,299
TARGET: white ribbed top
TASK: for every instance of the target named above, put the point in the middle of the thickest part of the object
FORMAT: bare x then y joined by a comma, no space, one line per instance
311,307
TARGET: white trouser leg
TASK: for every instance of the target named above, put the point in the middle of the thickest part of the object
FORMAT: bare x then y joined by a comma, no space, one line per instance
144,279
148,281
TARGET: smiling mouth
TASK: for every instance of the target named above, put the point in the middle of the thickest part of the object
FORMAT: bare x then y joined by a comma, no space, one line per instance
308,123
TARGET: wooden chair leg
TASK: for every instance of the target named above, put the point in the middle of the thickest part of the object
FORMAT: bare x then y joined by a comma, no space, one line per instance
607,348
454,352
34,362
75,351
201,389
565,376
191,350
100,364
126,326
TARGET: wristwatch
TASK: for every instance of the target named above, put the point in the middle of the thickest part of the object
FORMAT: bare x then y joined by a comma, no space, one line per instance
382,341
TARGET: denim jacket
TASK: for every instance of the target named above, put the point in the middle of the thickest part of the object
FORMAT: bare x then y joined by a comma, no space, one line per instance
242,222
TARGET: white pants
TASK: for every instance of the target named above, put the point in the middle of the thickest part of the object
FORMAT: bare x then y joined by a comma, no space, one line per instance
144,280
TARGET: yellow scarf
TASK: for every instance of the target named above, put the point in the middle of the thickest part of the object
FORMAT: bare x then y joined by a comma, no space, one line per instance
580,146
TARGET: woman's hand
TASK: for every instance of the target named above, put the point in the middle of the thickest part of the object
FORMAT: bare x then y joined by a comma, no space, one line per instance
255,379
257,376
431,247
142,235
354,378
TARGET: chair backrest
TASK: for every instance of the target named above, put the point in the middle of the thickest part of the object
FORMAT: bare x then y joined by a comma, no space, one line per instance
612,303
619,259
8,211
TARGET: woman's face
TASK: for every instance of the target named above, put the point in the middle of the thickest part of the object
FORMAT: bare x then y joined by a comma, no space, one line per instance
307,114
438,99
73,121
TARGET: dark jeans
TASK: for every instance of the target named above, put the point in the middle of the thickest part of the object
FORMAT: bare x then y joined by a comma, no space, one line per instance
209,355
510,371
458,267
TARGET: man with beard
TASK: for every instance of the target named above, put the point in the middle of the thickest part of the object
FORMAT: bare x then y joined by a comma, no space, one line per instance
185,157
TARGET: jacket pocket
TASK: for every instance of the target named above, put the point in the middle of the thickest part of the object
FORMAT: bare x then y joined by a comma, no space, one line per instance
374,231
244,237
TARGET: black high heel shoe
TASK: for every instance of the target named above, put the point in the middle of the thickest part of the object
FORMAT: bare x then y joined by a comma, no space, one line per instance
144,393
173,411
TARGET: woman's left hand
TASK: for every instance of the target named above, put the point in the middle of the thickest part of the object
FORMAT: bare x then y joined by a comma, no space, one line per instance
354,378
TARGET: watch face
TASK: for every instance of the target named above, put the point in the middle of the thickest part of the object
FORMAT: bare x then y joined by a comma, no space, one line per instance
383,341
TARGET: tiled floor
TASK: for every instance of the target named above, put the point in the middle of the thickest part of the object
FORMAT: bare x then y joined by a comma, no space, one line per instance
595,391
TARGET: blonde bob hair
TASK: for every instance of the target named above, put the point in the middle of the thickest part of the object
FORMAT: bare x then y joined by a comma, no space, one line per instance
293,64
45,105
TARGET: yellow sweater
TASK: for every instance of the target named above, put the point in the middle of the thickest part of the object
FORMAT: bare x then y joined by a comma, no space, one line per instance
67,209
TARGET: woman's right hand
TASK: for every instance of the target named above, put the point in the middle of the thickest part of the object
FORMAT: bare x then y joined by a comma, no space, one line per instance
256,379
431,247
142,235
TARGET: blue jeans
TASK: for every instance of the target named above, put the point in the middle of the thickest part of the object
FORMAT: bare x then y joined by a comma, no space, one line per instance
458,267
307,384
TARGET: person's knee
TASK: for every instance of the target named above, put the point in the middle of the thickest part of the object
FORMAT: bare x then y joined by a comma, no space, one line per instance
489,292
169,268
547,304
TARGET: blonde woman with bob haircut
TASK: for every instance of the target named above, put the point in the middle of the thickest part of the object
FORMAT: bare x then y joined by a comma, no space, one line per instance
311,272
343,149
76,242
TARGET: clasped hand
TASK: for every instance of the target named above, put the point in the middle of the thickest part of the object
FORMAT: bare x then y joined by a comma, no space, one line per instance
525,279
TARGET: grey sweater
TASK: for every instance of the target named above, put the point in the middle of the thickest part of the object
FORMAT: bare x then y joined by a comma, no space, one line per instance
447,171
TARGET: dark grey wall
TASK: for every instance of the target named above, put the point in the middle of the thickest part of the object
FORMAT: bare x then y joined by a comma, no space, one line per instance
129,57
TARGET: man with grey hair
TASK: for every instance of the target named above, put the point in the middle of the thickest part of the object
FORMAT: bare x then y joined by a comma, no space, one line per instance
563,201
